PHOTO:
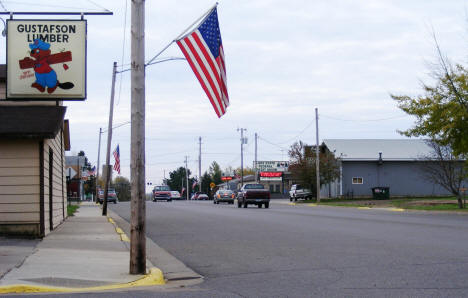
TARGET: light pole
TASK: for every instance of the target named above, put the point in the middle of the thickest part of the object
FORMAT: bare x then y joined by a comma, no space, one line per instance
243,141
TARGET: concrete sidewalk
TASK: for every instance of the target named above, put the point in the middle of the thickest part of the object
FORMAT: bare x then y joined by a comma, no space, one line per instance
87,252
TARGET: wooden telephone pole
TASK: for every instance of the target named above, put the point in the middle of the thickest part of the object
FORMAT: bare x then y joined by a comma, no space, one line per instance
137,160
109,141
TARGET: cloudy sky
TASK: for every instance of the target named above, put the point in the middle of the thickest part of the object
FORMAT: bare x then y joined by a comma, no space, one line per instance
284,59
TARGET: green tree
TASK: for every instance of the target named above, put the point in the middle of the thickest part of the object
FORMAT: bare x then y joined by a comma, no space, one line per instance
442,112
122,188
177,180
206,180
216,173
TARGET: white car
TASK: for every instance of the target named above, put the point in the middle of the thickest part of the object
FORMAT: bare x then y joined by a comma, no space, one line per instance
175,195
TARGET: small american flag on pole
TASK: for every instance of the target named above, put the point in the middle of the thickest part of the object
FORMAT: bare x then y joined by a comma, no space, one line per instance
203,50
117,159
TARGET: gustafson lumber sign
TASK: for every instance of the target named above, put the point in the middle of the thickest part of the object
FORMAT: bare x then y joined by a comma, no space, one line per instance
46,59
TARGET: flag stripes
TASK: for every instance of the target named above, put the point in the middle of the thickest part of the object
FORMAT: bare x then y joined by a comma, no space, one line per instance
116,154
204,52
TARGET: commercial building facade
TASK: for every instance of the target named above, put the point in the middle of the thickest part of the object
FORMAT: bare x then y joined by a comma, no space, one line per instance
33,139
393,163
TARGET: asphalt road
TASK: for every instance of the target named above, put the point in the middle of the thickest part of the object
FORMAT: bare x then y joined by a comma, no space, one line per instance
302,251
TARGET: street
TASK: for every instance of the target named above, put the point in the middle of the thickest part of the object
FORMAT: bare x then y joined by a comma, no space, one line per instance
304,251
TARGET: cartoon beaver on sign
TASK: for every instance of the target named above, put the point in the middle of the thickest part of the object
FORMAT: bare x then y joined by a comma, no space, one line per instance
46,77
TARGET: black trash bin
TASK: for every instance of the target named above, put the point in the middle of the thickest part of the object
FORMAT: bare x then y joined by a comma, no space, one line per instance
381,193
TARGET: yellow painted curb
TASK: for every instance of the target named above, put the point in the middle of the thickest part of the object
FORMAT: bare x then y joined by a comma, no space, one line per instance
364,207
155,277
111,220
397,209
292,204
312,205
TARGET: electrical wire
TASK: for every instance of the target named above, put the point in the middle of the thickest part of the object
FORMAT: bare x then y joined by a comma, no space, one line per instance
123,50
271,143
364,120
42,5
1,4
102,7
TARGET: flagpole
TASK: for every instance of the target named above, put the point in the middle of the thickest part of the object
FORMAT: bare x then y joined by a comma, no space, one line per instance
181,34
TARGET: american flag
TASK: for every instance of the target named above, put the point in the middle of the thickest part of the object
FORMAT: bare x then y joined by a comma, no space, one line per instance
203,50
92,172
117,159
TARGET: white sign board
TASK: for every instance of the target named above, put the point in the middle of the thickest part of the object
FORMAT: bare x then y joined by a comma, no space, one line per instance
271,178
46,59
272,166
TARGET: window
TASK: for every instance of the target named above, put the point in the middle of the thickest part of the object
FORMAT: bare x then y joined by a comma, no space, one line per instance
357,180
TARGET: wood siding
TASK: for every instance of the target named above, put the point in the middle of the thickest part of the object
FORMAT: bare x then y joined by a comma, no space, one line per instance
19,181
20,185
59,203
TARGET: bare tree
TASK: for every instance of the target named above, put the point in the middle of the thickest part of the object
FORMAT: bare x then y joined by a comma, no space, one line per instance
442,167
302,165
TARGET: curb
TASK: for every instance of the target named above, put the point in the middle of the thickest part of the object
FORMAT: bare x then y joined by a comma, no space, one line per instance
356,207
123,236
153,278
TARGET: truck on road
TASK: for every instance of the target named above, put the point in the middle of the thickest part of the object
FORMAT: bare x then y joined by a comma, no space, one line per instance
298,192
253,193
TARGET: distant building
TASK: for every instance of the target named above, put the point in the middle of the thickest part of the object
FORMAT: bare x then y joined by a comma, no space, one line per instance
74,173
367,163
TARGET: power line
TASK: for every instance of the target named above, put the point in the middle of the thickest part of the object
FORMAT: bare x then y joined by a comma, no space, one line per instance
363,120
271,143
123,50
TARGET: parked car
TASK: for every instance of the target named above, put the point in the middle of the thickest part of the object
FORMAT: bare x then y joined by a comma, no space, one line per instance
203,197
111,196
253,193
199,196
162,193
297,192
224,195
195,195
175,195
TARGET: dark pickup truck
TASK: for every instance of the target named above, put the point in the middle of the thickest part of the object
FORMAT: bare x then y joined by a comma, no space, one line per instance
253,194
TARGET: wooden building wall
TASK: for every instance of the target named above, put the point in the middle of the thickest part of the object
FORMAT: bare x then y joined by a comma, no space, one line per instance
26,185
19,187
55,192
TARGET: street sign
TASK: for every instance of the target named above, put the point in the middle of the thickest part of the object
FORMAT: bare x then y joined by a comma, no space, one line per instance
212,185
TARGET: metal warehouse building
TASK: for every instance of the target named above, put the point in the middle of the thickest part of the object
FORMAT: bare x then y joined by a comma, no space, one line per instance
394,163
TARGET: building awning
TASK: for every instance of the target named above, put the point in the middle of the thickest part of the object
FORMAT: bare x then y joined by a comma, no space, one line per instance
31,121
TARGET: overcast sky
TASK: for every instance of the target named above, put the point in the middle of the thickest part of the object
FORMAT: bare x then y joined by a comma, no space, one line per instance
283,59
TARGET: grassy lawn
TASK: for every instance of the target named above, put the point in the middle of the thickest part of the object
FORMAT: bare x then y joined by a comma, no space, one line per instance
71,209
426,203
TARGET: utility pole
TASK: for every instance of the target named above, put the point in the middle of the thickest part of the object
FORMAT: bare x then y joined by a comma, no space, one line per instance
317,156
98,165
243,141
137,160
186,178
256,170
109,141
199,164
